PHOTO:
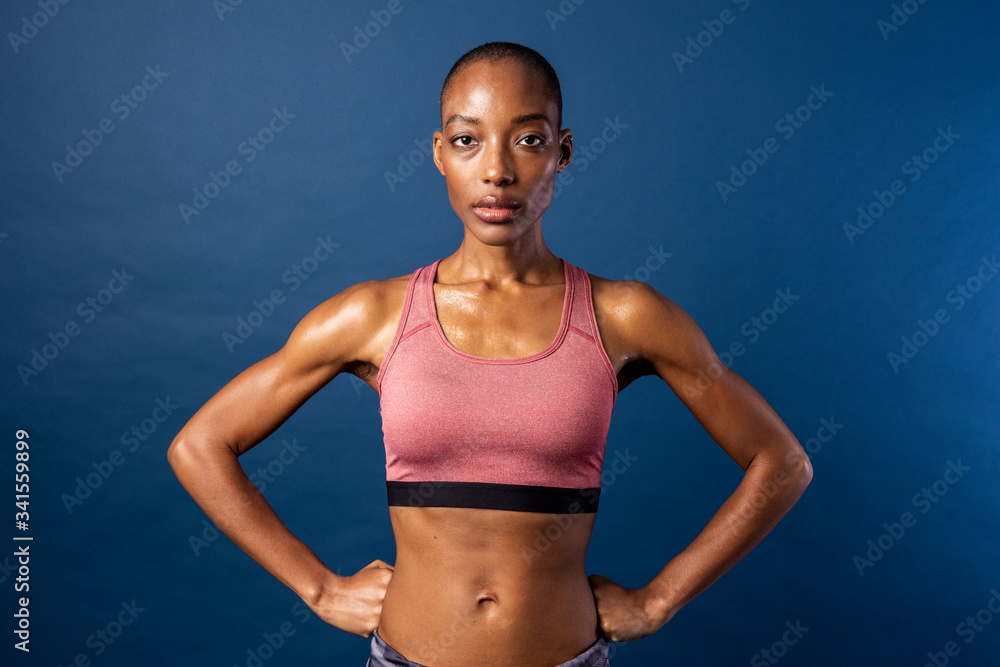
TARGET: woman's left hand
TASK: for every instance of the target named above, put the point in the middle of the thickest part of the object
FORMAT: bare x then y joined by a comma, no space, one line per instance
623,614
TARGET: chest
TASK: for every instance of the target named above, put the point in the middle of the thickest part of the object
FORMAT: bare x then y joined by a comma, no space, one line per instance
495,324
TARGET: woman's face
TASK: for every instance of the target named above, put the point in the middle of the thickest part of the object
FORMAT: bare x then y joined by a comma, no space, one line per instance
500,149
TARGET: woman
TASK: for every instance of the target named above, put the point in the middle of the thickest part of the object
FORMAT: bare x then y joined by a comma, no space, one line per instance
497,369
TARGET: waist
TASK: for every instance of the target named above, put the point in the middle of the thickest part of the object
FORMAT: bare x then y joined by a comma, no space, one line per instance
474,586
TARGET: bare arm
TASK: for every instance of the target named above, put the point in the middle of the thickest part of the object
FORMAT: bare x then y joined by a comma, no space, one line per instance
203,455
743,424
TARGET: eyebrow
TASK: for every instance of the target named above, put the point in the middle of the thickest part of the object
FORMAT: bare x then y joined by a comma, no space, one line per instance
517,120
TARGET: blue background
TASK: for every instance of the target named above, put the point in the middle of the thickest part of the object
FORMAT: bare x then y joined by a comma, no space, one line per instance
138,536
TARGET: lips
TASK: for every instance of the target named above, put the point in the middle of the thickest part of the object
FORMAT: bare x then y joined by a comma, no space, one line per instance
496,208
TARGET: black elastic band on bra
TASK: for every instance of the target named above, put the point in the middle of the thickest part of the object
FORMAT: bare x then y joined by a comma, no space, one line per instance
482,495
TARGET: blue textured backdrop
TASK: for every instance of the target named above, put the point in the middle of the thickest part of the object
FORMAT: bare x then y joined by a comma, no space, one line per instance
168,166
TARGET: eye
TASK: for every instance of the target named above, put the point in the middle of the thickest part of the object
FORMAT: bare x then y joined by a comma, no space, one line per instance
534,140
463,141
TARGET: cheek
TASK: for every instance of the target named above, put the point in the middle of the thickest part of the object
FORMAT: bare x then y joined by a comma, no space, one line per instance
456,184
458,174
542,196
451,177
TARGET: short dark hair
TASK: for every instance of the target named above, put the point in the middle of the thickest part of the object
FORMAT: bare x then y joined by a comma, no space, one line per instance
495,51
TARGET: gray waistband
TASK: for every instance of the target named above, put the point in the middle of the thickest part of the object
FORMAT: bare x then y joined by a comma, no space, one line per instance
384,655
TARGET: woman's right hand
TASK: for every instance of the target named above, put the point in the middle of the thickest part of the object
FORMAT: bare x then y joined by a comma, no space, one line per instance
354,604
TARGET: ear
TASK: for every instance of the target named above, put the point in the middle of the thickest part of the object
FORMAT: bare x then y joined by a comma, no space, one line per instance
438,142
565,149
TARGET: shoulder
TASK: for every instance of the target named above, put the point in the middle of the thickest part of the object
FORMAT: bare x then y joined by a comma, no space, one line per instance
627,297
641,322
354,324
363,302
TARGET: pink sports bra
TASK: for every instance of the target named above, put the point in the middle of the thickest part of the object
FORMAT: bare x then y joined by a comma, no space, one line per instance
525,434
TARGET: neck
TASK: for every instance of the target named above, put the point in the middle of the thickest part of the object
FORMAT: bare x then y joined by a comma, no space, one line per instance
526,260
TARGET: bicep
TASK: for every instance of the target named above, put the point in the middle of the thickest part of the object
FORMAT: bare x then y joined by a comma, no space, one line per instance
731,411
261,398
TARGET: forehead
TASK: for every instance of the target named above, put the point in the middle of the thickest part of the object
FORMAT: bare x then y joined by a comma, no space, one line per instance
503,86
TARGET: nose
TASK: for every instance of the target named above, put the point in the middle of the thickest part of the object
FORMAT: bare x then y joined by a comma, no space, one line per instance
497,166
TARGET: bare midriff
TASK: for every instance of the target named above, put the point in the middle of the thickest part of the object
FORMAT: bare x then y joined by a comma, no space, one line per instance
489,587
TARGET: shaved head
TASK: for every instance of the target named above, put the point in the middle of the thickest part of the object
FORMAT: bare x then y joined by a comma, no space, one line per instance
497,51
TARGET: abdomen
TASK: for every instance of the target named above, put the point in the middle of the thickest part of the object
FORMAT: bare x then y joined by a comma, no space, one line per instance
489,587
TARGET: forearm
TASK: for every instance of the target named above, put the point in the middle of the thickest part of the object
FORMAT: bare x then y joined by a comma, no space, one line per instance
216,481
763,497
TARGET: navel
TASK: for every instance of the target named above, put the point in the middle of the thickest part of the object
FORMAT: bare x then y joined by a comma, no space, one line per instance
486,600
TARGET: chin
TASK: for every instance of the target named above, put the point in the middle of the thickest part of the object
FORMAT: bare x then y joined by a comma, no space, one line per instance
497,234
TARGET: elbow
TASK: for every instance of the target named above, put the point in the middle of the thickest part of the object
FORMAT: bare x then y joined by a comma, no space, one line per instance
177,452
192,452
798,468
181,455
